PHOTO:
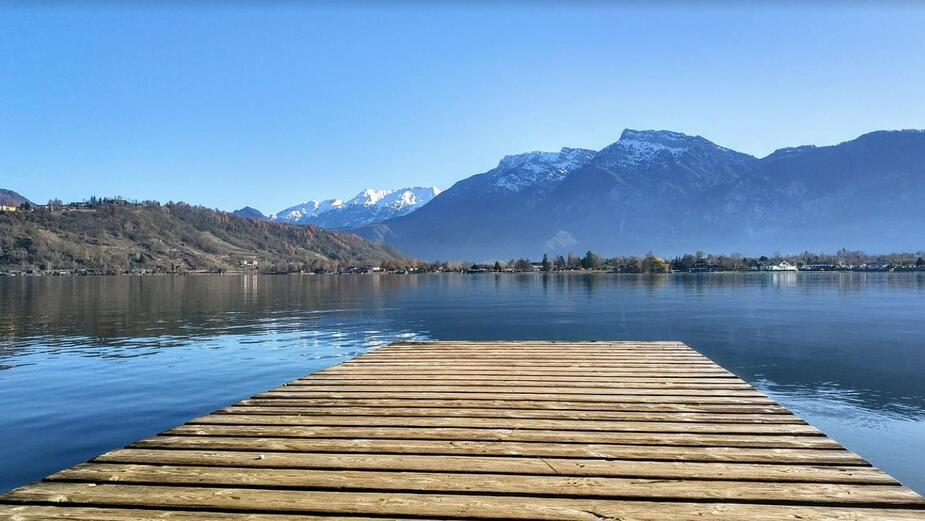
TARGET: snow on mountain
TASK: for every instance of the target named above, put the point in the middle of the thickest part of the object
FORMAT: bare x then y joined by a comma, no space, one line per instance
644,147
517,172
368,197
402,202
301,212
672,193
641,148
367,207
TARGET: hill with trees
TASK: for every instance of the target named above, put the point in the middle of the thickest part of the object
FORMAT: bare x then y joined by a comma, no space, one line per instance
114,236
11,198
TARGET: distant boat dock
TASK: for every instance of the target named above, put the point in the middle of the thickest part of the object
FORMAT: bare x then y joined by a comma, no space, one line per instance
634,431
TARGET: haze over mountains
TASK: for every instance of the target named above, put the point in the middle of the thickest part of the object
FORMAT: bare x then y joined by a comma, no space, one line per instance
674,193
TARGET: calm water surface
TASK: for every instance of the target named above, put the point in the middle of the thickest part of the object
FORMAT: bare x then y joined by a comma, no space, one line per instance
90,364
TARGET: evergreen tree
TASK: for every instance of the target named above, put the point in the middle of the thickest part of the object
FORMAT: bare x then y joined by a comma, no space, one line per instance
592,261
547,266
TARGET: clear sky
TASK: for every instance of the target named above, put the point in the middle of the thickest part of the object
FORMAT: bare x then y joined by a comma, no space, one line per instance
269,105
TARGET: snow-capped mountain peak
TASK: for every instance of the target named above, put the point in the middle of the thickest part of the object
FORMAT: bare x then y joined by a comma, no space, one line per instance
367,207
637,148
414,197
520,171
313,208
369,197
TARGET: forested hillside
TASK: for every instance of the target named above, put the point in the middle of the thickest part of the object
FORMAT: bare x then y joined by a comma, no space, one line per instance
117,237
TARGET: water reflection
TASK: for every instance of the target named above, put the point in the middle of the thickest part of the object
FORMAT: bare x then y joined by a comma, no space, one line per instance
88,364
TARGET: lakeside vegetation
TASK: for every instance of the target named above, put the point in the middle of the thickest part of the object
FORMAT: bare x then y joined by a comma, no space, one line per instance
843,260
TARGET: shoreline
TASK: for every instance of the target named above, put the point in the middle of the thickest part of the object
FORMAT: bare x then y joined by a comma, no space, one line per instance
69,274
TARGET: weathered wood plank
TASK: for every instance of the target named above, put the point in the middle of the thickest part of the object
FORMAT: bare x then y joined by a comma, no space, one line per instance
437,505
272,407
469,434
590,365
660,358
493,379
507,423
72,513
285,392
506,465
643,406
507,448
516,389
537,371
537,386
502,484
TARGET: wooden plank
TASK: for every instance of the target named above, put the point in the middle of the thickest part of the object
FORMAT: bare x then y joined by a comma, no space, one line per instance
660,358
469,434
269,407
561,361
542,397
437,505
506,465
501,484
608,373
541,356
493,379
265,444
507,423
72,513
643,406
517,389
533,386
590,365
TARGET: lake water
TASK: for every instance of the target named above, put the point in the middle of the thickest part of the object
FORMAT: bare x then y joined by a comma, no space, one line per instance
90,364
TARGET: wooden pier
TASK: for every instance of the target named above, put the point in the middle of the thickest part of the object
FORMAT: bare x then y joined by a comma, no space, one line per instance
631,431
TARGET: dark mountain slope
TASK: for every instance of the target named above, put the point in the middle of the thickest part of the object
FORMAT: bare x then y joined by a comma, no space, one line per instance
672,193
655,190
865,193
477,216
11,198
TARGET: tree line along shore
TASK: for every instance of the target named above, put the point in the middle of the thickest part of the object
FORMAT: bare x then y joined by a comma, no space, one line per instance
114,236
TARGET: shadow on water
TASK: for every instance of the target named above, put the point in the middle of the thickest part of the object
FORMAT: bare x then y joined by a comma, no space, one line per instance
89,364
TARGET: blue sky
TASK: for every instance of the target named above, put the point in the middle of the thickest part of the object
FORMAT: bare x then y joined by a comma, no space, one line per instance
270,106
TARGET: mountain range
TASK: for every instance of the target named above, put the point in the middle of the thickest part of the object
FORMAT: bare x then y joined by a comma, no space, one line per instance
368,207
672,193
655,190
